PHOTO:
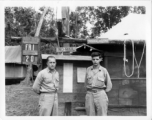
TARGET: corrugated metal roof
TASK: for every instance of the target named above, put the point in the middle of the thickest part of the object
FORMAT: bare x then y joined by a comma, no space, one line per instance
13,54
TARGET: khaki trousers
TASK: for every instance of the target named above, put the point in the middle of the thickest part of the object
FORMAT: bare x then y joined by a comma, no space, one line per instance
48,104
96,103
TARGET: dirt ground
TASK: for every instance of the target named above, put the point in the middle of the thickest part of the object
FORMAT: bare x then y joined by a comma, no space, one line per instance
21,101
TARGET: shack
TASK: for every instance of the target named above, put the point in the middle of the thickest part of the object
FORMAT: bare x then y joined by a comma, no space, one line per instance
13,67
126,93
127,71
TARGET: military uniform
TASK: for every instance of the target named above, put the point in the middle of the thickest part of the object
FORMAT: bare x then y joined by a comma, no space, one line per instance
97,83
46,84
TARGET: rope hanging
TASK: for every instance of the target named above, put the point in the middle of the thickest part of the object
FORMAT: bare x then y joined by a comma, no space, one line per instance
126,59
133,58
138,65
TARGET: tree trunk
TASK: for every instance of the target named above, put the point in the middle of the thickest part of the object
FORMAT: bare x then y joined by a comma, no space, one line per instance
30,69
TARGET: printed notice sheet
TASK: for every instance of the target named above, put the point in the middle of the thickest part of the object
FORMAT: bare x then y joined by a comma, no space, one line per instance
81,72
68,78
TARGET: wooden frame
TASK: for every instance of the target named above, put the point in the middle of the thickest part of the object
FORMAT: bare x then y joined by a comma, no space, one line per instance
31,52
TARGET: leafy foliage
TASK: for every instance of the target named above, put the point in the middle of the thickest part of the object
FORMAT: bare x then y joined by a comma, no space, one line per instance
22,21
103,18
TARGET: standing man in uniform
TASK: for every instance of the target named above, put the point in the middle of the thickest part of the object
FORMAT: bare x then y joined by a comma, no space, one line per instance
97,83
46,84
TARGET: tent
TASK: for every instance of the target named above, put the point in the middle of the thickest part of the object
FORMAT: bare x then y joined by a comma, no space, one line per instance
13,67
131,27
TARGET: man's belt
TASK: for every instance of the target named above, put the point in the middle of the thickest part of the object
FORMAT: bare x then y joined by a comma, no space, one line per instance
95,90
49,92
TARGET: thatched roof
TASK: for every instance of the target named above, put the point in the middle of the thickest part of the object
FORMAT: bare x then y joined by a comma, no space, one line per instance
13,54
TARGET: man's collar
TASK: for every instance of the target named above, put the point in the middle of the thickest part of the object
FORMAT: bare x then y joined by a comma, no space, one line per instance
48,70
99,68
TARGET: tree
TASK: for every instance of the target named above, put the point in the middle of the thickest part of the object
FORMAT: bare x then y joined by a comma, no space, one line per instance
103,18
22,21
19,21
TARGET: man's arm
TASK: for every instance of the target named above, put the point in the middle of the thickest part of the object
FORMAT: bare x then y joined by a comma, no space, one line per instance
85,82
57,82
108,82
37,83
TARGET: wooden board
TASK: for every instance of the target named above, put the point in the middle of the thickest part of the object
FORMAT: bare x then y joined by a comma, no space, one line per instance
30,40
68,57
66,49
28,52
98,41
29,58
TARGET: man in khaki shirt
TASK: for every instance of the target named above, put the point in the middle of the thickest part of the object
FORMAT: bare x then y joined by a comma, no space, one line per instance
97,83
46,84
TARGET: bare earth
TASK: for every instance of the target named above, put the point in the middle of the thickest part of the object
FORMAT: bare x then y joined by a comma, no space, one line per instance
21,101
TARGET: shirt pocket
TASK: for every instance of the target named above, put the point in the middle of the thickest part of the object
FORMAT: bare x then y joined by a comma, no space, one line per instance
100,82
48,80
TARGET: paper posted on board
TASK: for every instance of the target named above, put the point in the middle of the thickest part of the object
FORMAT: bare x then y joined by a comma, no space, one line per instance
81,72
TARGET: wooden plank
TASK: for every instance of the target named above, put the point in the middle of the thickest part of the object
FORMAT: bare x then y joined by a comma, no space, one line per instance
30,52
27,63
53,39
66,49
113,101
113,93
30,40
98,41
128,78
116,106
14,78
30,58
68,57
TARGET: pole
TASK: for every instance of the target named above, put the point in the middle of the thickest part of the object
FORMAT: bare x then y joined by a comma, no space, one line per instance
30,69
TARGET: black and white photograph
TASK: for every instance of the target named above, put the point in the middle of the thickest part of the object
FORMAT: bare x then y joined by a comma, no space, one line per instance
77,59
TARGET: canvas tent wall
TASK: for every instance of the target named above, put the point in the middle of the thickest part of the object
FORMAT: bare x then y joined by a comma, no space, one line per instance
131,27
13,67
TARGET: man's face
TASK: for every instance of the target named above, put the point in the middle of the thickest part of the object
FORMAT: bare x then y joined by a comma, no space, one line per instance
96,60
51,63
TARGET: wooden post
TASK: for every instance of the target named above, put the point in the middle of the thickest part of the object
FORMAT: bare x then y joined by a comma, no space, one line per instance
30,69
40,23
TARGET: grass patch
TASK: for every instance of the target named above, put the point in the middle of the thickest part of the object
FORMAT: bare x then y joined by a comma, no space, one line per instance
21,101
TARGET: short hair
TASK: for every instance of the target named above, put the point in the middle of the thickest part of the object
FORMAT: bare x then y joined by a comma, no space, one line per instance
96,54
50,57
